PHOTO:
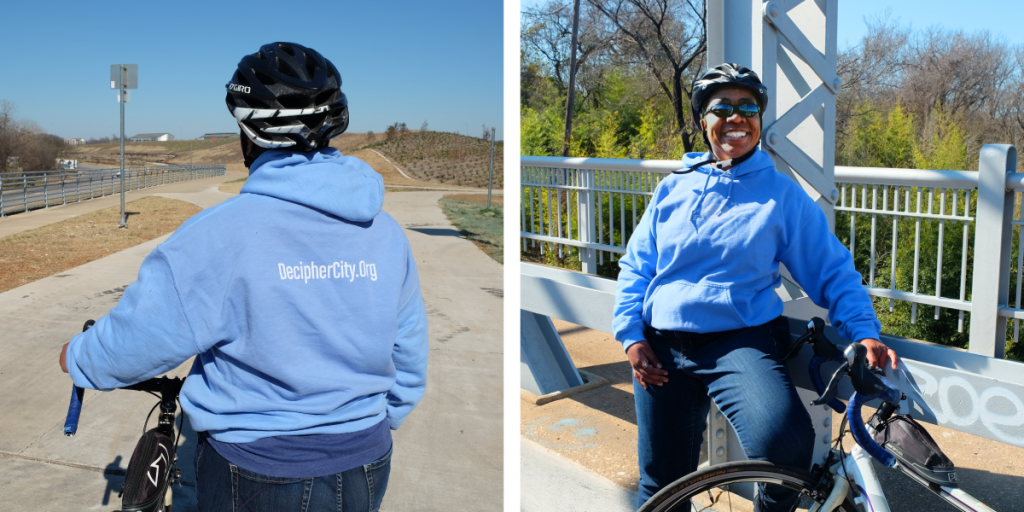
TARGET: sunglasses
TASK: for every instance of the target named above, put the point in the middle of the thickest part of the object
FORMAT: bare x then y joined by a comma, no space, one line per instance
724,110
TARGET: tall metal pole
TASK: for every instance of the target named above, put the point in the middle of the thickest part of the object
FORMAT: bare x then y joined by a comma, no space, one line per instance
490,176
124,92
572,80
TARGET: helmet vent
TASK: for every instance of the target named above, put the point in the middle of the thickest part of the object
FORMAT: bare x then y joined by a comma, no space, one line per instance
294,101
240,78
286,69
287,49
264,78
323,98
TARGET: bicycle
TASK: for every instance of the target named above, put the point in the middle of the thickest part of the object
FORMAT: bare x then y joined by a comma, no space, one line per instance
152,468
845,482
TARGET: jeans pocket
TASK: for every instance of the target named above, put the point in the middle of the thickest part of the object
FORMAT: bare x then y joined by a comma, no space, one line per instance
255,491
377,473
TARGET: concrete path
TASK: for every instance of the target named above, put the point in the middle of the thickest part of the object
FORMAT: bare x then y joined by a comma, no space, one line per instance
449,450
551,482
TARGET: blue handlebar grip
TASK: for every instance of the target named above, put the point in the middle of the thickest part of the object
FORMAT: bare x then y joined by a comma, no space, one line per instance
860,433
74,410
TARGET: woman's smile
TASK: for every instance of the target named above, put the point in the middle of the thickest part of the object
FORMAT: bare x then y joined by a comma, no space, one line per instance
735,135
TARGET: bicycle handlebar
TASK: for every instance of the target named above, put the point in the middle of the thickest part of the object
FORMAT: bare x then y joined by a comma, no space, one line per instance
860,432
74,410
867,386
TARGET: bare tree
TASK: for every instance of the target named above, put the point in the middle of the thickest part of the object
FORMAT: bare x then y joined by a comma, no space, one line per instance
423,127
546,39
370,137
955,72
487,133
9,133
871,70
667,38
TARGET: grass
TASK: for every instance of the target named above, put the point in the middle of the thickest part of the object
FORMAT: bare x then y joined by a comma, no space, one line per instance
232,187
42,252
479,224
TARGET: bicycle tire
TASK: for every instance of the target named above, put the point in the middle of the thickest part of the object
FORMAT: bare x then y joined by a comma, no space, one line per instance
676,495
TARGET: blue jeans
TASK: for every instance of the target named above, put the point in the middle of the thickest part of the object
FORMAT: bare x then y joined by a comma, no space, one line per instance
224,487
742,371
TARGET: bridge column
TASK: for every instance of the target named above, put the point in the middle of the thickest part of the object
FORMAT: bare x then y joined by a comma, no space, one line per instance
791,45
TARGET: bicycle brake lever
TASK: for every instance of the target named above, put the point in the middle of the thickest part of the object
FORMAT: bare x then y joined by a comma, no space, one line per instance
865,381
833,386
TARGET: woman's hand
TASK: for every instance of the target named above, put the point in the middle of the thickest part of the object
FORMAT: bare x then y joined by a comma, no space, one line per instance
878,353
64,358
646,368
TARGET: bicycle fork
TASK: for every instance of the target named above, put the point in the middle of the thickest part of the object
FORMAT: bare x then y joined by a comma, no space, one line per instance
868,495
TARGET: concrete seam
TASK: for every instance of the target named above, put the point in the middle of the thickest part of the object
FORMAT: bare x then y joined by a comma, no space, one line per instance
105,471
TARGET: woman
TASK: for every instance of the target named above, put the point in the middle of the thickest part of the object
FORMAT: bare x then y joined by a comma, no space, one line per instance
696,309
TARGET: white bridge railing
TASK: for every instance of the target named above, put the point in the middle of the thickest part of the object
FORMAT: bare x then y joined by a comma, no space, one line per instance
585,209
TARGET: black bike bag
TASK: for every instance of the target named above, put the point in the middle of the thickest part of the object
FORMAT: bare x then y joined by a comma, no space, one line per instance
915,449
146,482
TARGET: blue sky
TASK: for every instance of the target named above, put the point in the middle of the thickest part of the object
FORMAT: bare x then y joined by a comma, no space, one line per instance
1001,18
400,61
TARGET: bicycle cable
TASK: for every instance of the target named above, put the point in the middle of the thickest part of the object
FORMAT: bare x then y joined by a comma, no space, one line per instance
146,424
842,459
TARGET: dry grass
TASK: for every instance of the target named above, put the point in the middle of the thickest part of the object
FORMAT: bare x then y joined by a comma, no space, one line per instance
43,252
496,200
232,187
141,153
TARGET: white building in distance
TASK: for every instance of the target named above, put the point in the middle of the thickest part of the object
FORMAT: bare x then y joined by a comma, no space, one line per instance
74,142
152,137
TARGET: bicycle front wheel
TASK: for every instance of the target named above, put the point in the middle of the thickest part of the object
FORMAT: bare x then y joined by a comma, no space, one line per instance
722,488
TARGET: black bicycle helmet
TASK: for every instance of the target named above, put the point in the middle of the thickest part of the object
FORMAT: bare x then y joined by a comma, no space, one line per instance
726,75
288,96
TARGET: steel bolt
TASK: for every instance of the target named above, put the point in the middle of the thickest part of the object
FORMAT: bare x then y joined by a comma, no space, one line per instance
718,415
826,439
828,422
773,138
837,83
720,433
835,195
773,10
720,452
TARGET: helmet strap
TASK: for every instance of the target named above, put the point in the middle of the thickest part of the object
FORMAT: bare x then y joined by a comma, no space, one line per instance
250,151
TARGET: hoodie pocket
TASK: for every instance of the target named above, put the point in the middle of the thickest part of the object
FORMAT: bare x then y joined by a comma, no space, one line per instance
683,306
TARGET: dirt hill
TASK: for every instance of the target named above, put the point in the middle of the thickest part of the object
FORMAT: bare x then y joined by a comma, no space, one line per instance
447,158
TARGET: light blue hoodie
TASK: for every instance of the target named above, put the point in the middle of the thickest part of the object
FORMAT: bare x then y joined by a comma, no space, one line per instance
299,296
705,256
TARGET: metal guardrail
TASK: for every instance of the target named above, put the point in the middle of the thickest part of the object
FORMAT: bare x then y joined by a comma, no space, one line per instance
587,208
967,392
25,191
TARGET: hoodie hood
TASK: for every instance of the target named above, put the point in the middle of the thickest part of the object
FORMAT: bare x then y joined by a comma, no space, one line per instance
758,160
340,185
